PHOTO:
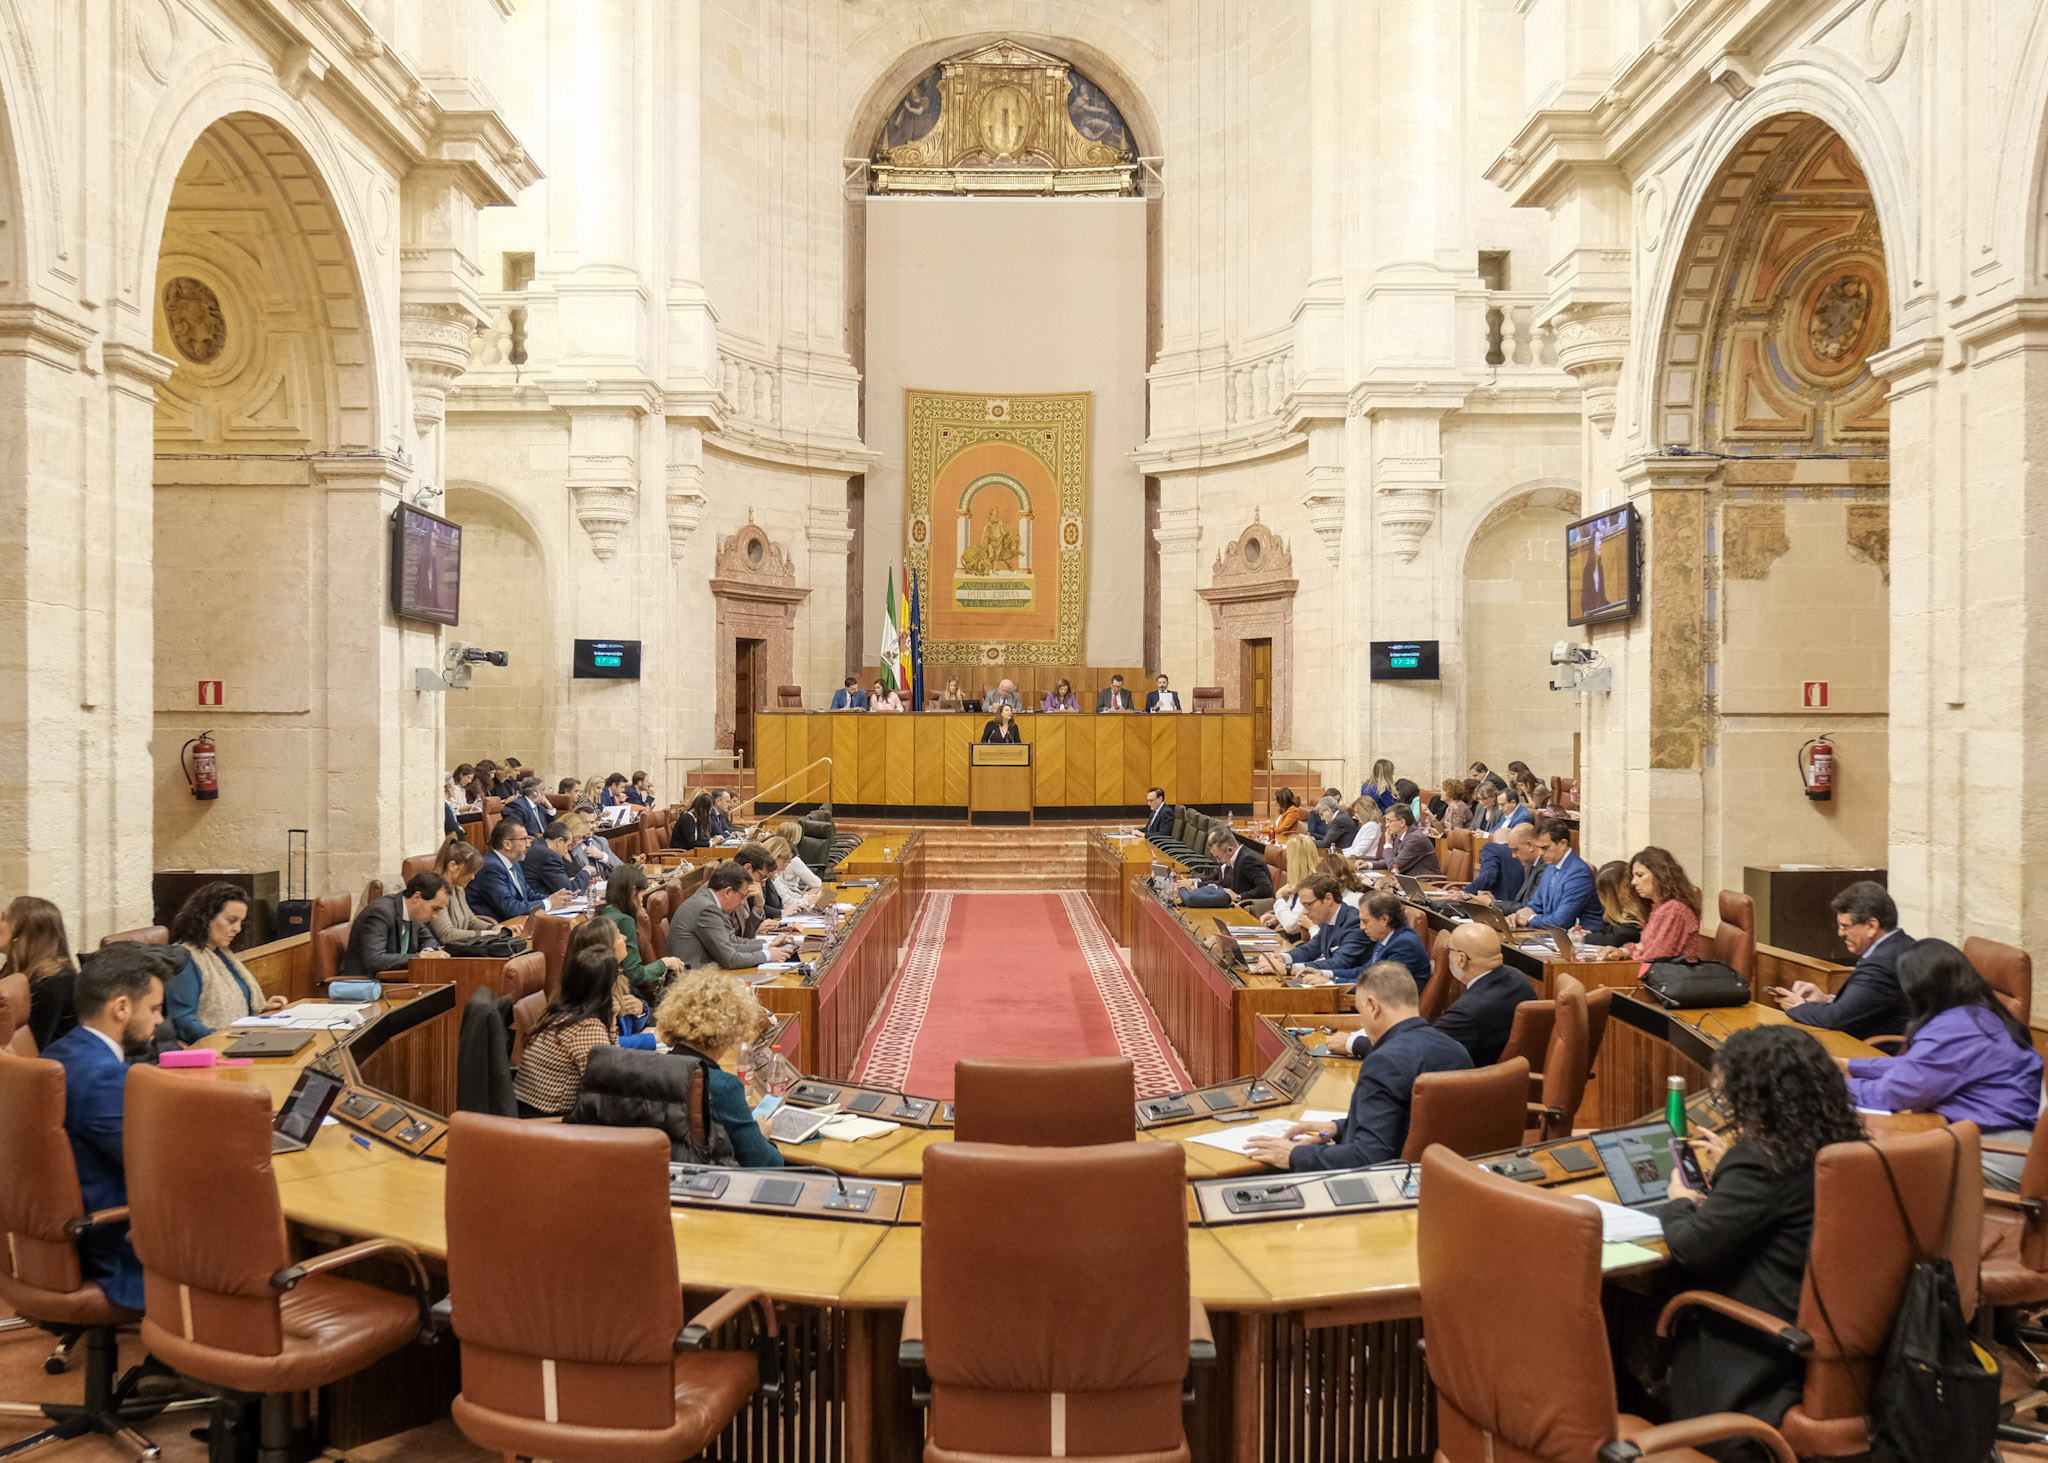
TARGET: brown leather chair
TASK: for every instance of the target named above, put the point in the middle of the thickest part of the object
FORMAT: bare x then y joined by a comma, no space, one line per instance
1734,942
1598,1003
1518,1352
227,1305
42,1215
1444,988
1529,1036
2014,1273
419,863
549,934
1207,698
559,1360
645,931
656,902
526,1014
15,1035
789,698
2008,970
330,909
1014,1329
1418,921
561,802
1050,1104
1458,864
148,935
523,975
1459,840
327,947
1564,1066
1858,1262
1481,1111
372,892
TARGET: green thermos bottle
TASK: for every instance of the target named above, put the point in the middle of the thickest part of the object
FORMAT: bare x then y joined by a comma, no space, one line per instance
1674,1105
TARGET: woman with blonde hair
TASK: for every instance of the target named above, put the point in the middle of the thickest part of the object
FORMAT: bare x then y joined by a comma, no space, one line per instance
1302,859
1379,788
795,897
707,1014
796,875
32,933
1345,872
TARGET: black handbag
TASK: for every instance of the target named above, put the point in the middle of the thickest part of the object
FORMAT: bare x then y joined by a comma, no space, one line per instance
1685,985
500,946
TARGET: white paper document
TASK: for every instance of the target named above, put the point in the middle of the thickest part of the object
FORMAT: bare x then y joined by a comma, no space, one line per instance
851,1127
1617,1223
1238,1139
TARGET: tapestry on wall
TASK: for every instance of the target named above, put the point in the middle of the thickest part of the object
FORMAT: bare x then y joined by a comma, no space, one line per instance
995,503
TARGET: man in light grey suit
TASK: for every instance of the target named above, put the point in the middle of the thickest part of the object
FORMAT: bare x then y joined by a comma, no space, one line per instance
702,933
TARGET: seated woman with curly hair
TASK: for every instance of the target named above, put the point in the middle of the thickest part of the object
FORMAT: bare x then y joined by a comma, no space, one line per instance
707,1013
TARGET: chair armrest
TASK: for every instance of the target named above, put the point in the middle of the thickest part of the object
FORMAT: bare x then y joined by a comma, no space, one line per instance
1790,1337
77,1227
416,1271
1892,1044
1999,1198
2014,1150
1201,1340
694,1335
1692,1431
910,1350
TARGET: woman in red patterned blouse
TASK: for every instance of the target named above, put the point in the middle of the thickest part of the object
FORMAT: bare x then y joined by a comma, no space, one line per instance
1673,930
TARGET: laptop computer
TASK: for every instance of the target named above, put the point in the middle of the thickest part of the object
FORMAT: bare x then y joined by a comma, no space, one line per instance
292,1129
1411,886
1486,914
1638,1163
1227,942
972,703
267,1044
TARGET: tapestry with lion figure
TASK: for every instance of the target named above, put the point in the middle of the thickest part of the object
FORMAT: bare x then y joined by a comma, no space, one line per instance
995,503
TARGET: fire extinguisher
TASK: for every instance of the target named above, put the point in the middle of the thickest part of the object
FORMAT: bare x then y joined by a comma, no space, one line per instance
1817,769
202,774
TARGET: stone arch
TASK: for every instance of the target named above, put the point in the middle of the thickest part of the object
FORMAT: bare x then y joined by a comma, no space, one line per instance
2023,173
1561,493
1510,611
509,572
31,216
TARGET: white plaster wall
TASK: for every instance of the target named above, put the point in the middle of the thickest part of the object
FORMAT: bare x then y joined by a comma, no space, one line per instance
506,594
1514,612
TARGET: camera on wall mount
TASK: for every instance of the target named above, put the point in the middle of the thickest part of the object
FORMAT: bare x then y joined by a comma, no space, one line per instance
1586,670
456,662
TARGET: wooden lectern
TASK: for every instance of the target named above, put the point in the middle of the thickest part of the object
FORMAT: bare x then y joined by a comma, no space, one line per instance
999,781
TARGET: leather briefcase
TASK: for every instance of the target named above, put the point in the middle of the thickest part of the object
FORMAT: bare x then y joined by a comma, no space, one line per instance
1685,985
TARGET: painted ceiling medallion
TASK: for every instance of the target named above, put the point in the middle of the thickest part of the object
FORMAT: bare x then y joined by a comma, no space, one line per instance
192,311
1835,326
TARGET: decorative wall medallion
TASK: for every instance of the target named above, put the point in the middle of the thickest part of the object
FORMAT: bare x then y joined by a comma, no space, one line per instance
1891,23
378,207
1254,550
1004,113
751,558
756,552
1834,327
920,531
1652,212
192,311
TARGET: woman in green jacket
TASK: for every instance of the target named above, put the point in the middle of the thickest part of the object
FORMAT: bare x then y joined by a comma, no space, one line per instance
625,892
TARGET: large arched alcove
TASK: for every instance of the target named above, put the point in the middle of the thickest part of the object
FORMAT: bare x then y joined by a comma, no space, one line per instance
1514,612
1769,570
508,603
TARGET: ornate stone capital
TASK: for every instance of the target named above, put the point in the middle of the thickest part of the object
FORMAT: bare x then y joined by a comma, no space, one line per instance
1408,477
1592,344
604,476
437,340
686,498
1324,496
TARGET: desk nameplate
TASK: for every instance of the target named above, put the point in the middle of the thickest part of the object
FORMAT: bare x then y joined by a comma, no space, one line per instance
1001,754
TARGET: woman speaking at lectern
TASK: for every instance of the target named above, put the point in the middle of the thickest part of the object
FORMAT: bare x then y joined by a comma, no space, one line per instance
1003,728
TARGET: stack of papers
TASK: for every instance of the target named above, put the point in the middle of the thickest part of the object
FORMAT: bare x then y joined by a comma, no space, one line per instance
307,1015
1238,1140
851,1127
1618,1224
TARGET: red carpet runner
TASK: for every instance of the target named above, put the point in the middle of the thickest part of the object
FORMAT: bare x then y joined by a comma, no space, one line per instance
1012,975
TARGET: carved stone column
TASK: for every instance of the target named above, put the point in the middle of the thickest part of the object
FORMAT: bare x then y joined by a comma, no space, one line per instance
436,338
1324,495
1178,535
1592,343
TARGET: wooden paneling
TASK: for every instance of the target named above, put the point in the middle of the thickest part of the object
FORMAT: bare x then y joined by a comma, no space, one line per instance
1165,765
1191,732
1080,788
818,746
1236,758
1109,760
846,737
928,781
1049,754
771,753
960,734
899,760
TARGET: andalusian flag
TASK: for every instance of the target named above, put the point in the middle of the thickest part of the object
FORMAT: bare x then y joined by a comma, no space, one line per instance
892,646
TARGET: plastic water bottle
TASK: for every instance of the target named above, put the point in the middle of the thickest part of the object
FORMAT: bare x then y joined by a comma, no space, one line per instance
888,854
1674,1105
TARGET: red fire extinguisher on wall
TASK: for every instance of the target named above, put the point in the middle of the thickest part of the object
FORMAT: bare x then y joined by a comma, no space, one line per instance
202,773
1817,769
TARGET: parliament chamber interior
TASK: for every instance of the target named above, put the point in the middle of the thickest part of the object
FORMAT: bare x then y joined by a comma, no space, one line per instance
837,731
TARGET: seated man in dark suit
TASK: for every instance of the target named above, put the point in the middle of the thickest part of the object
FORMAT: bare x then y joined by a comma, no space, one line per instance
1404,848
701,931
1162,699
1507,871
1869,1002
546,865
1115,697
528,808
1339,829
1399,1046
120,998
1339,943
849,697
500,891
1385,919
393,930
722,825
1239,868
1161,821
1483,1016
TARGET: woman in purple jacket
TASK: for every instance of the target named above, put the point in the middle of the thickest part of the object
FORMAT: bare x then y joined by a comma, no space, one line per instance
1965,1058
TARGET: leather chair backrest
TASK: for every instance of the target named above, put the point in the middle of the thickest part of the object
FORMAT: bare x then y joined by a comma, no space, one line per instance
331,909
39,1191
1565,1067
1180,823
789,698
523,975
563,1342
2008,970
1480,1111
561,802
1045,1104
526,1014
1861,1251
419,863
1443,988
1529,1037
549,934
1735,948
1460,841
372,892
1275,855
1207,698
1018,1327
14,1006
1738,909
1598,1002
1418,921
206,1223
148,935
656,902
1518,1352
328,944
644,931
1458,864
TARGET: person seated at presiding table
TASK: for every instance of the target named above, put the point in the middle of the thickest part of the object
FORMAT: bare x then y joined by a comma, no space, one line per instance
695,825
849,696
1385,920
1869,1003
119,995
396,929
458,863
625,898
1339,941
210,988
1160,698
615,790
702,931
1398,1046
32,934
707,1014
1289,816
1301,865
1405,848
1115,696
1061,697
952,698
1004,694
1003,726
546,865
578,1020
1672,931
882,697
1507,871
1965,1058
1160,819
500,890
1564,894
1748,1236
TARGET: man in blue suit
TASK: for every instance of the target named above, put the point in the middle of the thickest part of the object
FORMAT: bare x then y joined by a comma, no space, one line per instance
1385,921
1564,894
850,697
1339,943
500,891
1869,1002
120,997
527,808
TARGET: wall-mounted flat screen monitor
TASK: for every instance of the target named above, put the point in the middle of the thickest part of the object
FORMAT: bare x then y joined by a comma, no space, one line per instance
1404,660
1603,566
607,660
426,566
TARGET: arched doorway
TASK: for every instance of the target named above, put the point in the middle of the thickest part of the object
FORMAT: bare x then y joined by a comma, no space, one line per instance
1514,587
269,511
508,603
1769,558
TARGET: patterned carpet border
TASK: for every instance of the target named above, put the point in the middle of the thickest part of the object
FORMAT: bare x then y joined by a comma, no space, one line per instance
892,1041
1154,1067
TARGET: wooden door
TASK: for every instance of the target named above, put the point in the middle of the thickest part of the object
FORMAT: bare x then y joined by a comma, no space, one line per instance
749,694
1256,664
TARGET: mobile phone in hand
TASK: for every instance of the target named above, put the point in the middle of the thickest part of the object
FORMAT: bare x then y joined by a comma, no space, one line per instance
1688,1165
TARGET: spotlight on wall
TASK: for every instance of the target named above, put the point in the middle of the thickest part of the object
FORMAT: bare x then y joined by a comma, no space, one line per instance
455,667
1585,670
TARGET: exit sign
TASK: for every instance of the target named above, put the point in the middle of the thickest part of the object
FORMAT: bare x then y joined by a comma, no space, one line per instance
1816,695
209,693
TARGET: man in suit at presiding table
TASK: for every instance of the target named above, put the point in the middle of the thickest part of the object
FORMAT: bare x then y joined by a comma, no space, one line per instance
1162,699
702,932
393,930
1401,1047
1869,1002
849,697
1115,697
120,998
